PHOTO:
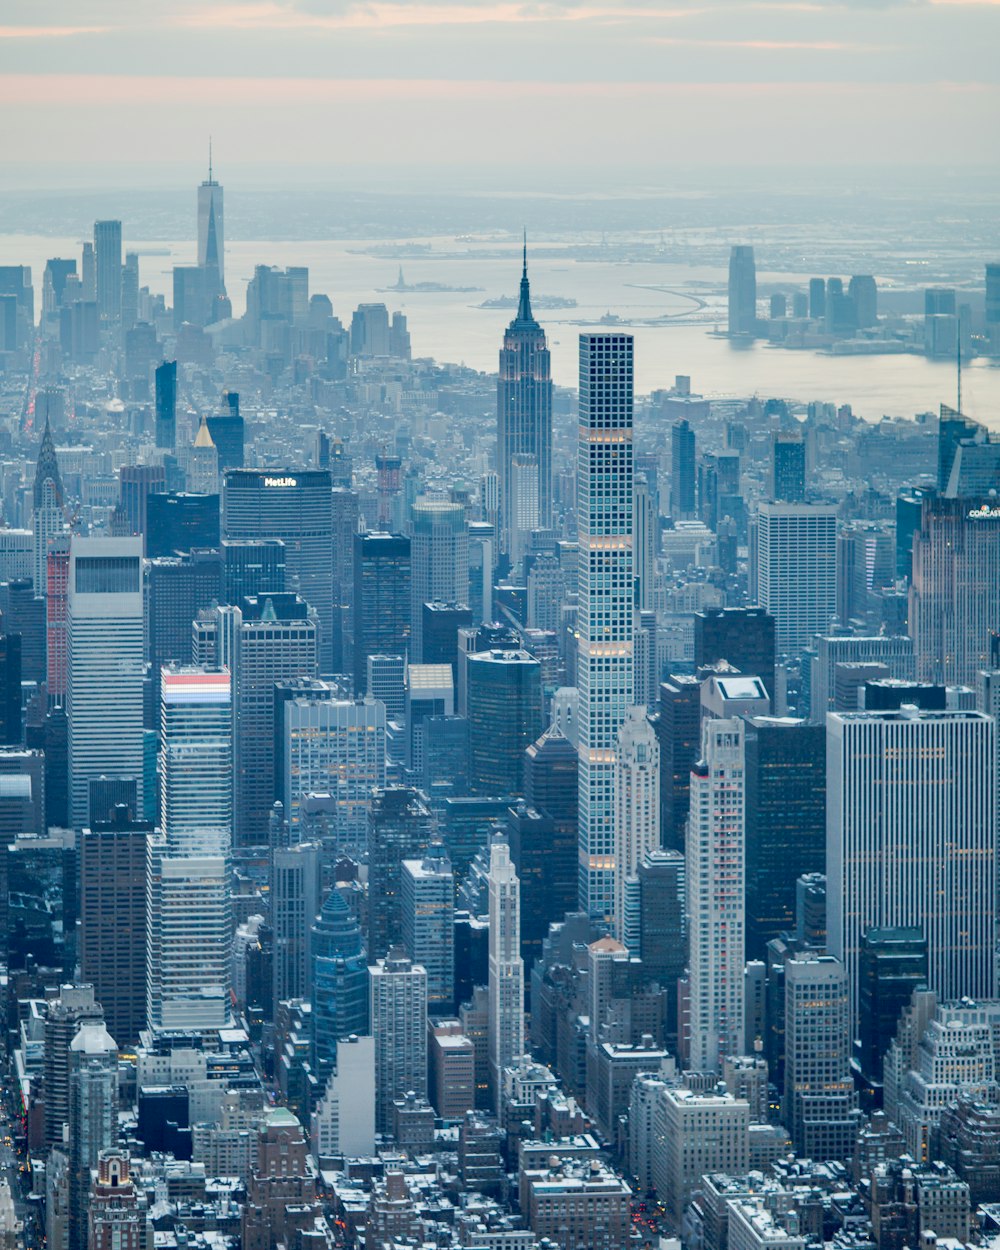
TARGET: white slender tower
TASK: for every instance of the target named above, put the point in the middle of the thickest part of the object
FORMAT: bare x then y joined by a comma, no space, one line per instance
506,988
637,817
604,616
716,867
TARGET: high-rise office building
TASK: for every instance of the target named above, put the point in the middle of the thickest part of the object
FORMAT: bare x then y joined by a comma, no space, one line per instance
543,838
211,234
178,521
797,570
678,730
196,760
228,431
253,566
176,589
297,507
400,827
892,964
742,291
382,609
294,901
820,1104
682,470
339,979
427,895
504,708
346,520
113,920
399,1026
439,553
108,254
605,611
506,969
189,940
788,467
276,638
10,690
166,404
663,925
786,821
524,422
334,747
637,817
955,590
912,840
105,698
48,521
136,482
715,896
743,637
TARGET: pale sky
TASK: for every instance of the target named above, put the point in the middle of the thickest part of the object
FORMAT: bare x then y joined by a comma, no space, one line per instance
637,84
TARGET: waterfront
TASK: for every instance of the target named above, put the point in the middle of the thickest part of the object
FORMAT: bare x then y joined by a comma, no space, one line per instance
448,326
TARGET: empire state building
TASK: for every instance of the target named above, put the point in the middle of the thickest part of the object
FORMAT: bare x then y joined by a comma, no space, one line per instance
524,428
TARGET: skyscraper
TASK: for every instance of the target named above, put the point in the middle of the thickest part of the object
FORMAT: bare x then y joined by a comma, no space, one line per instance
911,839
427,896
400,826
334,747
381,614
439,553
108,253
743,637
113,886
637,817
504,706
605,612
506,970
196,760
524,414
742,291
797,570
189,935
682,470
93,1117
275,639
105,665
297,507
340,979
820,1105
955,591
786,821
47,518
294,900
715,882
211,235
399,1026
788,467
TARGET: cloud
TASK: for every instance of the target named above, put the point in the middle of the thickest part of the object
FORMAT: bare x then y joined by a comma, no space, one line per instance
273,15
49,32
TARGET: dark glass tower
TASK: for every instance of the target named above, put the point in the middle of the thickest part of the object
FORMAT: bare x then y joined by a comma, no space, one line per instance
682,470
744,637
505,718
166,405
893,964
380,619
785,821
340,980
524,409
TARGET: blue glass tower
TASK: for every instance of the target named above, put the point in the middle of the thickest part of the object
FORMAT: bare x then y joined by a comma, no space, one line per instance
340,980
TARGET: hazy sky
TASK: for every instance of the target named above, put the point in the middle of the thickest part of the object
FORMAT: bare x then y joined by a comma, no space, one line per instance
646,84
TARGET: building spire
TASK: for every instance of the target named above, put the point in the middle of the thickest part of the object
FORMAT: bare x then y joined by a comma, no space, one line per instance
209,158
524,304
